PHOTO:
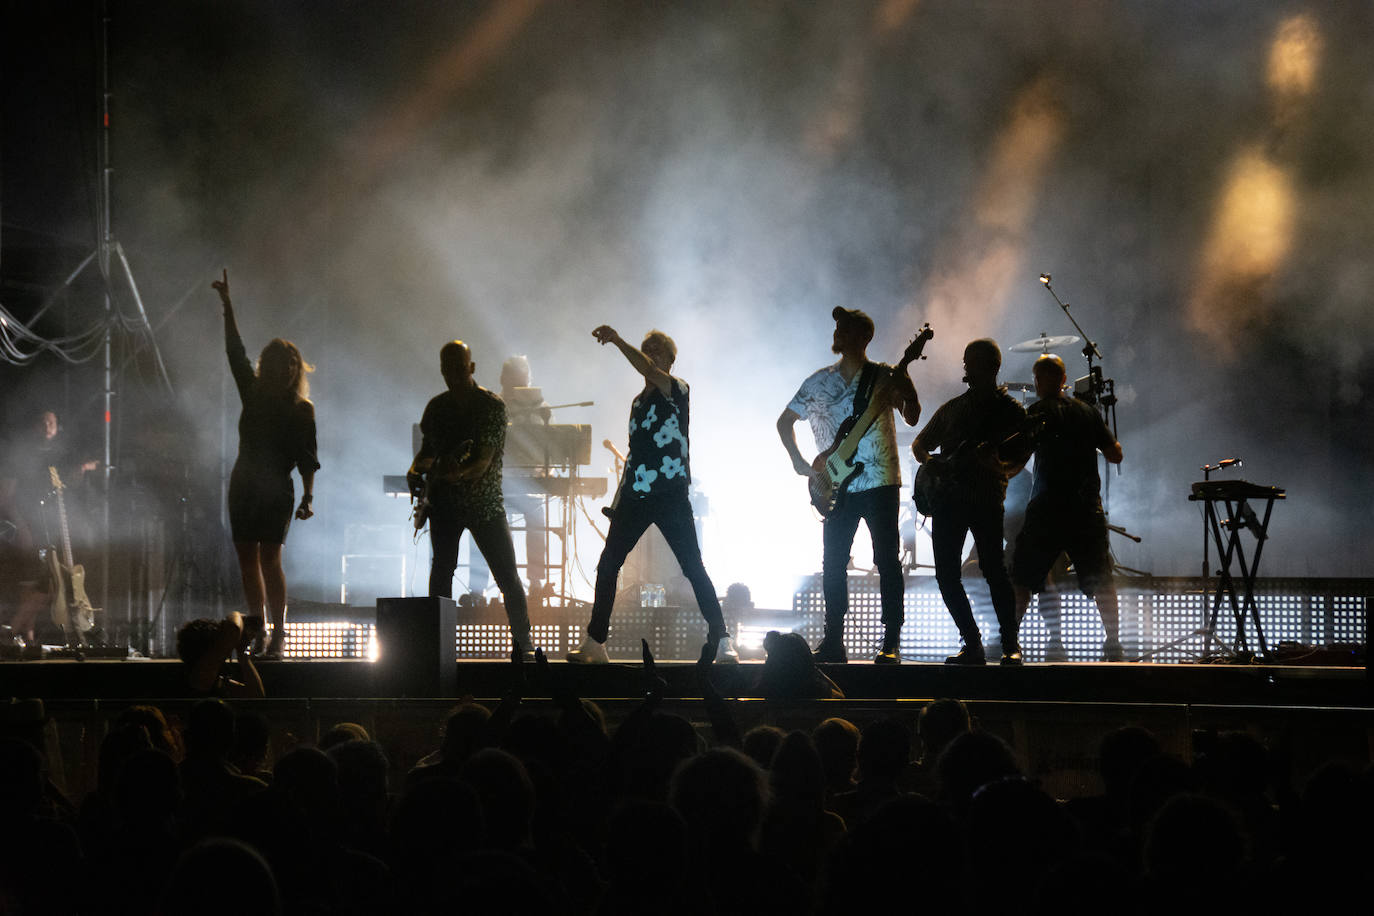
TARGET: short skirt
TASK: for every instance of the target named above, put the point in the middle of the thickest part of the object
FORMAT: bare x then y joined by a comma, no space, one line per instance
260,504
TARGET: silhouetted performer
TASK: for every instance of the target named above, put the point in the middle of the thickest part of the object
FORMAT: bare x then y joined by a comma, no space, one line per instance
464,432
525,409
653,491
1065,508
969,431
29,520
276,433
826,399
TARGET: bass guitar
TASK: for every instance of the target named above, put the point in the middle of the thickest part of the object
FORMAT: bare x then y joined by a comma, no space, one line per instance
835,467
71,609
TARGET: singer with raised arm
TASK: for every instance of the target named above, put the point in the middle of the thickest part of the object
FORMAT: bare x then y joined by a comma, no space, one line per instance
276,434
653,491
1065,509
458,469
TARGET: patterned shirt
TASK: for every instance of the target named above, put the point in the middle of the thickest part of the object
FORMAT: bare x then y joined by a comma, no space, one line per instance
448,425
826,400
658,462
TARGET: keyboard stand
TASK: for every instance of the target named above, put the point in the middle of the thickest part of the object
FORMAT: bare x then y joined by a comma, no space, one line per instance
1238,516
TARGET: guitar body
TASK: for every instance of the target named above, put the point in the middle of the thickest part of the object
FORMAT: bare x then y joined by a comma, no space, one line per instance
931,480
443,470
835,467
829,486
79,609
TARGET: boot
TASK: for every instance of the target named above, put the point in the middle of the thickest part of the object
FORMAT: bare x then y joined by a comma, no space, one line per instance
971,654
831,651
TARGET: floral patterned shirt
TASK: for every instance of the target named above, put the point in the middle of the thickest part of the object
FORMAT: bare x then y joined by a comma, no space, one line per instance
826,400
658,464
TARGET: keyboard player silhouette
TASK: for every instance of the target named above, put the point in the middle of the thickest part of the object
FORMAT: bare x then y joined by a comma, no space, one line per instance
540,460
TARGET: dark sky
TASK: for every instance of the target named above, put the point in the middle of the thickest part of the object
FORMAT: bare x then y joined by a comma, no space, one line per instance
380,177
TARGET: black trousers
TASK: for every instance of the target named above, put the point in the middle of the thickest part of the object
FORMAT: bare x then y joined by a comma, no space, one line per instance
673,516
493,539
878,508
948,527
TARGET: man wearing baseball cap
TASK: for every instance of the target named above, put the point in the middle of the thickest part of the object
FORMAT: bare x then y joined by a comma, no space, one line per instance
827,398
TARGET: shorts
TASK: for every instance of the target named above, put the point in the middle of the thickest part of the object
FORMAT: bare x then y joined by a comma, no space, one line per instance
1052,528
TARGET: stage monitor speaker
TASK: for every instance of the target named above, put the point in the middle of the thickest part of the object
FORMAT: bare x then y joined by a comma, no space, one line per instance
417,647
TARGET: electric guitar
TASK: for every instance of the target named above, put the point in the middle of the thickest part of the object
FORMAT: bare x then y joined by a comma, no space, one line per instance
443,470
935,478
71,609
835,467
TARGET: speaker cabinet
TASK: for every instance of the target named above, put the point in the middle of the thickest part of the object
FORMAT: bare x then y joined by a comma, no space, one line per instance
416,641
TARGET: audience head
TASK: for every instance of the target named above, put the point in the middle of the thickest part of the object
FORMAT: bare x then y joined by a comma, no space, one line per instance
940,723
721,795
761,743
215,878
1121,755
972,760
195,638
837,741
342,733
152,721
884,750
506,796
465,732
797,775
210,730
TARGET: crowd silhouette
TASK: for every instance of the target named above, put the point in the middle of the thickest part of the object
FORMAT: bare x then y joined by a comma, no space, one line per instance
532,808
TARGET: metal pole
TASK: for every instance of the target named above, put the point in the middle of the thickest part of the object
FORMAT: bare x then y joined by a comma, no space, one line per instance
106,235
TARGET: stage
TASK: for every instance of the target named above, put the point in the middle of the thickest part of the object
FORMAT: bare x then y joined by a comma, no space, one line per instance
1309,696
1259,685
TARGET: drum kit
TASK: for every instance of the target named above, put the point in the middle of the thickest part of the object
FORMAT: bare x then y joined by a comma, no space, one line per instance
1041,345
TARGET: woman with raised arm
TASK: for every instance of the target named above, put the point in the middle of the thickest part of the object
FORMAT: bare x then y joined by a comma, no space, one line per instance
276,433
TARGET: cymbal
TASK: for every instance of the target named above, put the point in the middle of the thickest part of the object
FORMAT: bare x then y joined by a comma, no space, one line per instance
1043,344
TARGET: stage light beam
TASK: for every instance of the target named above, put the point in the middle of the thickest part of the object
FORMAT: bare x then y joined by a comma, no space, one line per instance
979,262
1294,57
1250,236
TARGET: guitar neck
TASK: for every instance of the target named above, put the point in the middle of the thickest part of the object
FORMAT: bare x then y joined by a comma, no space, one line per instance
62,518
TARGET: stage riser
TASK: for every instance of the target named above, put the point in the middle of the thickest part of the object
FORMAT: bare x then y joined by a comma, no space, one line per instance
1154,613
1260,685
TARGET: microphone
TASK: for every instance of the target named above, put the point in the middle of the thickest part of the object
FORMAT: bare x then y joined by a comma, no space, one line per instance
1223,463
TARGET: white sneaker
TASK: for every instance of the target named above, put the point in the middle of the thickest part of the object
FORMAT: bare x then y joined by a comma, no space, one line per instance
725,652
590,652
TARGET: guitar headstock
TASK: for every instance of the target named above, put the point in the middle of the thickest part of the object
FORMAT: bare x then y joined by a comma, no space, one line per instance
54,479
918,344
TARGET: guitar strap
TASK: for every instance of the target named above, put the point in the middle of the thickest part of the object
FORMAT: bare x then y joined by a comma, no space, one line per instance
867,381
